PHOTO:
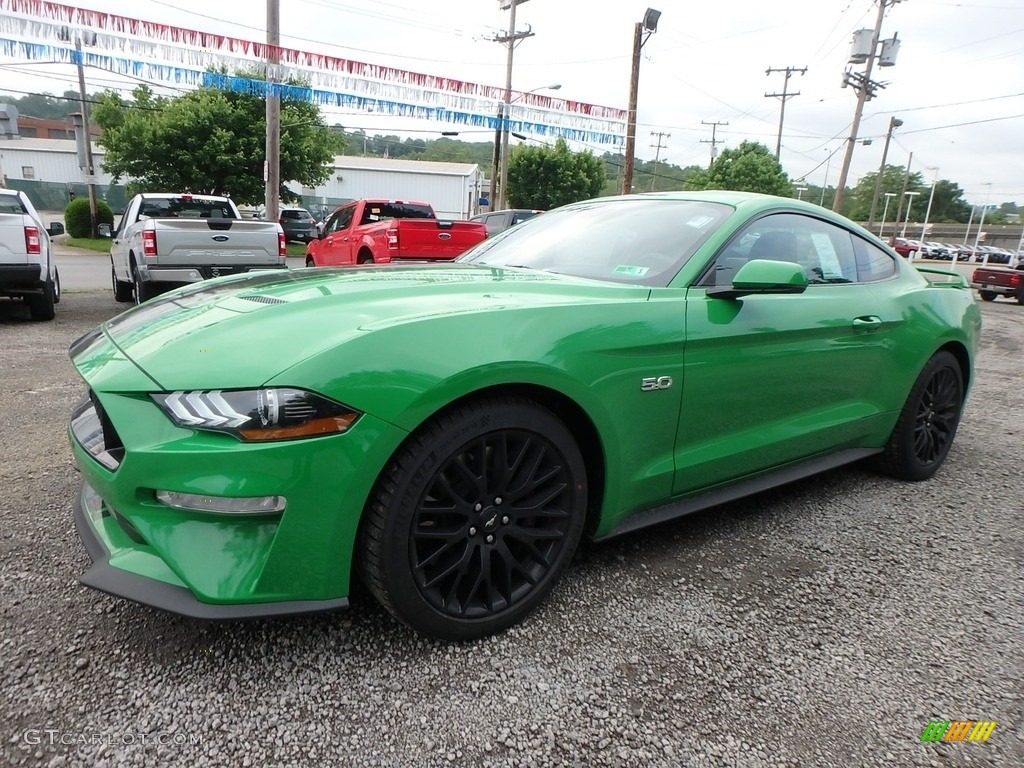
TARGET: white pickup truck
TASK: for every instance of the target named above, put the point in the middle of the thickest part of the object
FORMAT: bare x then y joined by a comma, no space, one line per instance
27,267
166,239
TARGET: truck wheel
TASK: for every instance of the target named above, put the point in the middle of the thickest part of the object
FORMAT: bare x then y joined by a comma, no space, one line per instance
41,307
987,295
310,262
122,291
927,424
365,257
143,291
474,519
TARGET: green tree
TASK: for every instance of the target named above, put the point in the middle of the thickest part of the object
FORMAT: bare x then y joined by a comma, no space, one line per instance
549,176
209,141
750,167
860,197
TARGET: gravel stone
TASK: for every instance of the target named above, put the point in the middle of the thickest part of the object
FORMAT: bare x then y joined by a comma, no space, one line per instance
820,624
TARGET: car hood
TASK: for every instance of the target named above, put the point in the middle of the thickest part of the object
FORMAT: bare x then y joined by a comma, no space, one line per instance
242,331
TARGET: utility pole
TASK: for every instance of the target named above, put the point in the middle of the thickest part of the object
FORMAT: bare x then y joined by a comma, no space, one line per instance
788,71
713,141
272,191
498,198
865,50
894,123
90,168
657,154
650,23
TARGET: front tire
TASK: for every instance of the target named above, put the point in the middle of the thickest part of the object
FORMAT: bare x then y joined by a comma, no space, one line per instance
123,291
927,424
474,519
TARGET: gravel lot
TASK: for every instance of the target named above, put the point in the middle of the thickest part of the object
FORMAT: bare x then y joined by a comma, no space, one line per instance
822,624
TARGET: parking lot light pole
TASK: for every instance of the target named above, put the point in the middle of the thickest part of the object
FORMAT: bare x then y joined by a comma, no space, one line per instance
497,195
928,210
910,202
977,236
885,210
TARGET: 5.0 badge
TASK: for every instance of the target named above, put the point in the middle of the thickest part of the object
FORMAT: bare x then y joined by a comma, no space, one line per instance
652,383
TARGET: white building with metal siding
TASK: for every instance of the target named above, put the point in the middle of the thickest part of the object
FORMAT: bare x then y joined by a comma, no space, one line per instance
453,189
54,160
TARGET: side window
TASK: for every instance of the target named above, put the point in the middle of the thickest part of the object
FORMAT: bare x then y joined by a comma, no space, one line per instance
824,250
341,220
872,262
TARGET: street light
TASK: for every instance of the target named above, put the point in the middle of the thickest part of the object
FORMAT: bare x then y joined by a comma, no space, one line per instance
885,210
931,196
977,237
910,202
499,169
650,24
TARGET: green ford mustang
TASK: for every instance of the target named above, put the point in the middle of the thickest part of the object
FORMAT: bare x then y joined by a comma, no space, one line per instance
448,432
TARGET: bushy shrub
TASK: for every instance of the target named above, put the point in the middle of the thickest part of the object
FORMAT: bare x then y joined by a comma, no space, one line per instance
76,217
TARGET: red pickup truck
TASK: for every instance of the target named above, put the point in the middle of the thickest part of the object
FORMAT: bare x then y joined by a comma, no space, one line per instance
999,281
381,231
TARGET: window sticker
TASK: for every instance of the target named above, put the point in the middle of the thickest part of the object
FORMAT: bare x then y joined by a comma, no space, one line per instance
628,270
699,222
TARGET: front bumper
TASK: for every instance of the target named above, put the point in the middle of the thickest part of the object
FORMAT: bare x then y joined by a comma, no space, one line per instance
98,528
216,565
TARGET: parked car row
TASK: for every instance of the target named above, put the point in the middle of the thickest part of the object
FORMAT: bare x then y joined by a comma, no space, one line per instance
929,249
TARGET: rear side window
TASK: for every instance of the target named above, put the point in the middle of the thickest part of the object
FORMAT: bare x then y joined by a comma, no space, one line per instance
384,211
872,262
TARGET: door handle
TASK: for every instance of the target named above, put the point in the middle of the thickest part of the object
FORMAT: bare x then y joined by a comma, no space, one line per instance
867,323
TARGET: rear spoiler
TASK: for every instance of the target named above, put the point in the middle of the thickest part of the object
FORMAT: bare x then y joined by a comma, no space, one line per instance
944,277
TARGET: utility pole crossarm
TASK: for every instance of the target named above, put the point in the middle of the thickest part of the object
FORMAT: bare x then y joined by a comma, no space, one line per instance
784,96
712,141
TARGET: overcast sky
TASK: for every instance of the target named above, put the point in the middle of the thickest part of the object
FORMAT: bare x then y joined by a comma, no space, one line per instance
958,84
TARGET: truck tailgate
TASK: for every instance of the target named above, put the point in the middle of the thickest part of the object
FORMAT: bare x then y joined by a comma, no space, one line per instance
436,239
228,242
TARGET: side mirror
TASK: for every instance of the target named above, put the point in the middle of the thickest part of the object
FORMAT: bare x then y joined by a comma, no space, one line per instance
103,230
55,228
763,276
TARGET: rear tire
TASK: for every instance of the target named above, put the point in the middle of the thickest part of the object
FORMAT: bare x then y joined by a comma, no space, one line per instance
987,295
40,306
927,424
365,258
474,519
310,262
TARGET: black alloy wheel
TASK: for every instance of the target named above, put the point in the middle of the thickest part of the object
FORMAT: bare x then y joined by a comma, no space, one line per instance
928,422
474,522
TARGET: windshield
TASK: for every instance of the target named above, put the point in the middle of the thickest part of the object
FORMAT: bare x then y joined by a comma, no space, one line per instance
640,241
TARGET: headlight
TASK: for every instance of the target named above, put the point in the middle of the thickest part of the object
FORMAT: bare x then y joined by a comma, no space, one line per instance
278,413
